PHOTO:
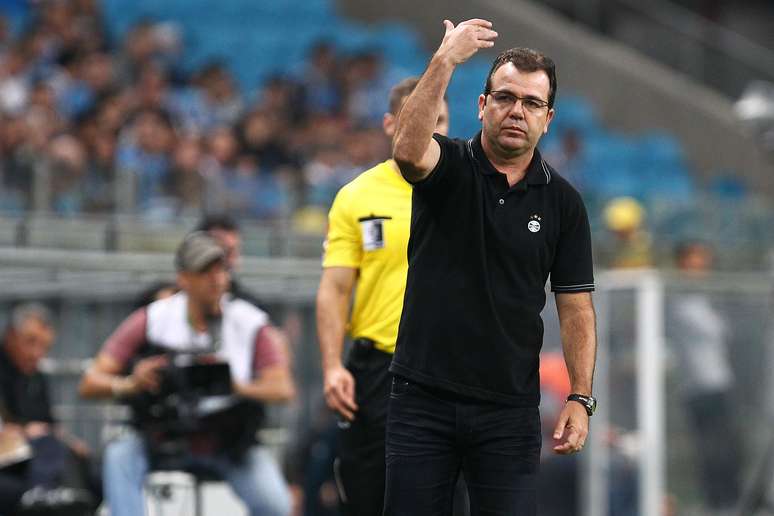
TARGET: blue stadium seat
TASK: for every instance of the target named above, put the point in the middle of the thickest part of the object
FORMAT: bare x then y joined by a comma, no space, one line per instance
574,113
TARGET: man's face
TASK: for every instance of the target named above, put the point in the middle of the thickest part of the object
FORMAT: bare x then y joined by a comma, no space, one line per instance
206,287
513,128
28,344
697,260
231,242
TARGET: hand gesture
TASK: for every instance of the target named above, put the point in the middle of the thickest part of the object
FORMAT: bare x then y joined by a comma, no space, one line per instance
571,429
146,372
339,389
461,42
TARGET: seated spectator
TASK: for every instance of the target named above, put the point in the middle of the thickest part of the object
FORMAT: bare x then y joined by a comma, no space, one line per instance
628,244
186,182
68,168
220,93
320,79
145,360
143,157
55,477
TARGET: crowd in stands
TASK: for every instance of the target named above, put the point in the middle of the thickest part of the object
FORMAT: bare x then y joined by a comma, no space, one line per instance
97,119
92,125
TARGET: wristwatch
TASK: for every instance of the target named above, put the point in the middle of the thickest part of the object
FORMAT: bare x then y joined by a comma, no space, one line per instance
588,402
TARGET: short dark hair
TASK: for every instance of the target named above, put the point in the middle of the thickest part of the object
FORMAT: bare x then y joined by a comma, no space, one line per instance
219,221
525,60
26,311
400,91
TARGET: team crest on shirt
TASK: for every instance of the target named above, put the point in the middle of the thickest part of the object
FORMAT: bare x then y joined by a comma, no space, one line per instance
372,228
534,223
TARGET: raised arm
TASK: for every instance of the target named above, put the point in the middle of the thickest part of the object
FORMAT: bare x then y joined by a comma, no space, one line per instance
414,150
579,340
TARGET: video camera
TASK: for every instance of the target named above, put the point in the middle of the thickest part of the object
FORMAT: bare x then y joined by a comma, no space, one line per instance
189,390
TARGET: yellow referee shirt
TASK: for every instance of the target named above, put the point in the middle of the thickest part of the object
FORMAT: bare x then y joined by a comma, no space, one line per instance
368,229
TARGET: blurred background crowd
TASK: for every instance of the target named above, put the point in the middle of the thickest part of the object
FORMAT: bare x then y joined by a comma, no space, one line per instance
174,110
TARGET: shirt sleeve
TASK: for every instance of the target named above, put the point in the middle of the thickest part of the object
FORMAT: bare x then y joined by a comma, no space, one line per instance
128,338
269,349
343,244
573,268
438,174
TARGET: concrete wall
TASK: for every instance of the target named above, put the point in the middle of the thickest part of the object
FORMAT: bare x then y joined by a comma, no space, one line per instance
630,92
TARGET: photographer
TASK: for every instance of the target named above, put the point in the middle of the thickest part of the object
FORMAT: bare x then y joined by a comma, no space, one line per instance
165,347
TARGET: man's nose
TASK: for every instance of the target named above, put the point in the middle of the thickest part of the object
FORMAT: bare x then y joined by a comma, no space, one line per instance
517,110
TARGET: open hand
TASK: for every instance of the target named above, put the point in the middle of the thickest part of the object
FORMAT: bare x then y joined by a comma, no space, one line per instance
461,42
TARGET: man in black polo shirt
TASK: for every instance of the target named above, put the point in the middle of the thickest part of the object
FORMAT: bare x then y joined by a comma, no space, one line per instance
491,221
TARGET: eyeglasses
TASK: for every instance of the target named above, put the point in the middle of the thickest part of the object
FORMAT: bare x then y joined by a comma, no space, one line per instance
505,99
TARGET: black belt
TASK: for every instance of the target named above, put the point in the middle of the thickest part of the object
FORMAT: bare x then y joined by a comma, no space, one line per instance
366,349
364,343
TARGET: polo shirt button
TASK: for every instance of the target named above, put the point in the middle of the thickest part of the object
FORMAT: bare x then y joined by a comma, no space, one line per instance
502,201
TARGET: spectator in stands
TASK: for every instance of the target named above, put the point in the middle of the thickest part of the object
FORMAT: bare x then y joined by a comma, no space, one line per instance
223,101
202,325
140,47
367,89
261,135
325,173
567,154
143,156
16,164
67,169
187,184
57,474
628,244
98,185
320,80
282,98
699,333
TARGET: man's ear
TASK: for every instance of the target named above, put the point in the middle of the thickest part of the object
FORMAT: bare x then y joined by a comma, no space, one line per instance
549,117
388,124
481,104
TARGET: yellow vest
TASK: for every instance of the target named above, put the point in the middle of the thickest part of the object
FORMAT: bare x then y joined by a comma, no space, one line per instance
368,230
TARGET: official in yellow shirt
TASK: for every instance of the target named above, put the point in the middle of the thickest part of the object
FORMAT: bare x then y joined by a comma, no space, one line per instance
365,257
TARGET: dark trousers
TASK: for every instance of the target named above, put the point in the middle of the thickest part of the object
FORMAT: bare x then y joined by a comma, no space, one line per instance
432,435
52,465
360,465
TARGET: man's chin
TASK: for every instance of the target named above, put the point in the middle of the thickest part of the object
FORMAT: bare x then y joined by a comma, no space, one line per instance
514,145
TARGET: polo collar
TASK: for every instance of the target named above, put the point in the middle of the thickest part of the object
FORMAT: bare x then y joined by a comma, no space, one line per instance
538,172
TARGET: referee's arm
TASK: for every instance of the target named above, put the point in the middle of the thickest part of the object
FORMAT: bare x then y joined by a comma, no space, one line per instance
333,300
